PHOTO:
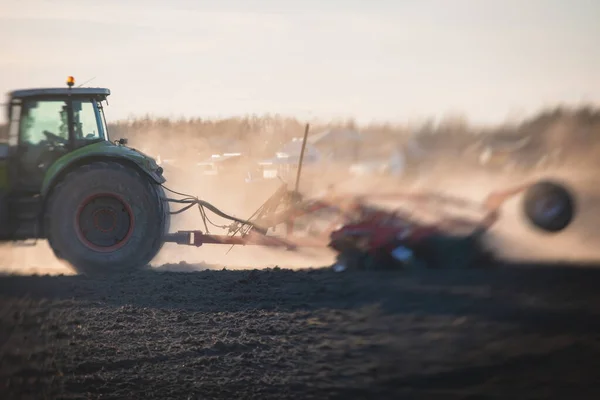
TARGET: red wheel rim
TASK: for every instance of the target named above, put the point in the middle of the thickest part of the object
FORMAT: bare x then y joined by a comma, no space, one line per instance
104,222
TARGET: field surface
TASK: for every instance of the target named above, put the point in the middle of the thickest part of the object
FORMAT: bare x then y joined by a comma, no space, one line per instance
519,332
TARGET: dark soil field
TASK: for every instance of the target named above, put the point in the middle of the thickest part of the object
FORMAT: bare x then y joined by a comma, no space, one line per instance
519,332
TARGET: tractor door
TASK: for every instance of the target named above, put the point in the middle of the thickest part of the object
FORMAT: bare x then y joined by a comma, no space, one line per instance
43,137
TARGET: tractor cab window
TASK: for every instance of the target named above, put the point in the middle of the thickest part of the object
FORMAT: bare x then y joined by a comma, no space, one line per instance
43,121
86,121
14,116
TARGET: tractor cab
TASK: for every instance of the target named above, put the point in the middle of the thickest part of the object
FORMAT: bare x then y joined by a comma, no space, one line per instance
44,125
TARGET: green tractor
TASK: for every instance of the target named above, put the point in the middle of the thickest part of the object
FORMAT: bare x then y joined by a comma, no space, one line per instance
98,203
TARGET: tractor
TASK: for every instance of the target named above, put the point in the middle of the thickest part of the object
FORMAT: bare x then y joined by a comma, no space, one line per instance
98,203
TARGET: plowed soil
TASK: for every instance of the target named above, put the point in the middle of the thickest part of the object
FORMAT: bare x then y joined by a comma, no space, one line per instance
506,333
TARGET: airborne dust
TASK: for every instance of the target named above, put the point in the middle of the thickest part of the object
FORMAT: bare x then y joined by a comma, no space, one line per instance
512,237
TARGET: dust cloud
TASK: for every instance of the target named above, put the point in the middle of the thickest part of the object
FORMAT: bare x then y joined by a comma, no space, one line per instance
36,258
512,238
235,197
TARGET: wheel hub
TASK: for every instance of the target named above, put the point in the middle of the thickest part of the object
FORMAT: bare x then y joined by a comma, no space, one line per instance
104,222
549,208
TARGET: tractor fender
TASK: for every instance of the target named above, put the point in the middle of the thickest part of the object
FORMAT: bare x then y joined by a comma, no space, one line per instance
100,152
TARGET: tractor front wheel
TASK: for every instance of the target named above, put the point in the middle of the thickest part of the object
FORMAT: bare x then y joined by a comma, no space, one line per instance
105,217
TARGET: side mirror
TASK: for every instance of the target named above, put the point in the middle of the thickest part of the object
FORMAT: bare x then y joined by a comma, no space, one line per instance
122,141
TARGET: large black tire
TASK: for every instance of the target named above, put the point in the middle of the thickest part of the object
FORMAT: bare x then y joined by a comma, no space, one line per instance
106,217
549,206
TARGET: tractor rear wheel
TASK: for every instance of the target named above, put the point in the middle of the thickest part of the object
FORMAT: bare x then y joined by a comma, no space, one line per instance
106,217
549,206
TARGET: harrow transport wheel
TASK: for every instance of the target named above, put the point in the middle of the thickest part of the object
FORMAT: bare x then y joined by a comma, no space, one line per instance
106,217
549,206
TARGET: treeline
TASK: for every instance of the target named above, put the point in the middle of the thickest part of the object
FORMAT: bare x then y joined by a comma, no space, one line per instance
573,128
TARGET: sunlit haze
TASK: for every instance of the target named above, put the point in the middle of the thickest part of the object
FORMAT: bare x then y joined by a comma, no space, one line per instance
379,59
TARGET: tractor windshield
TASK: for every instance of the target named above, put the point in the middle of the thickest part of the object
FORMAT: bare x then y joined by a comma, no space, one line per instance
88,121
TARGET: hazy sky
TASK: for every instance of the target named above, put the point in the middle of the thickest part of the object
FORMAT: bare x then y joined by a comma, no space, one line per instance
371,59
